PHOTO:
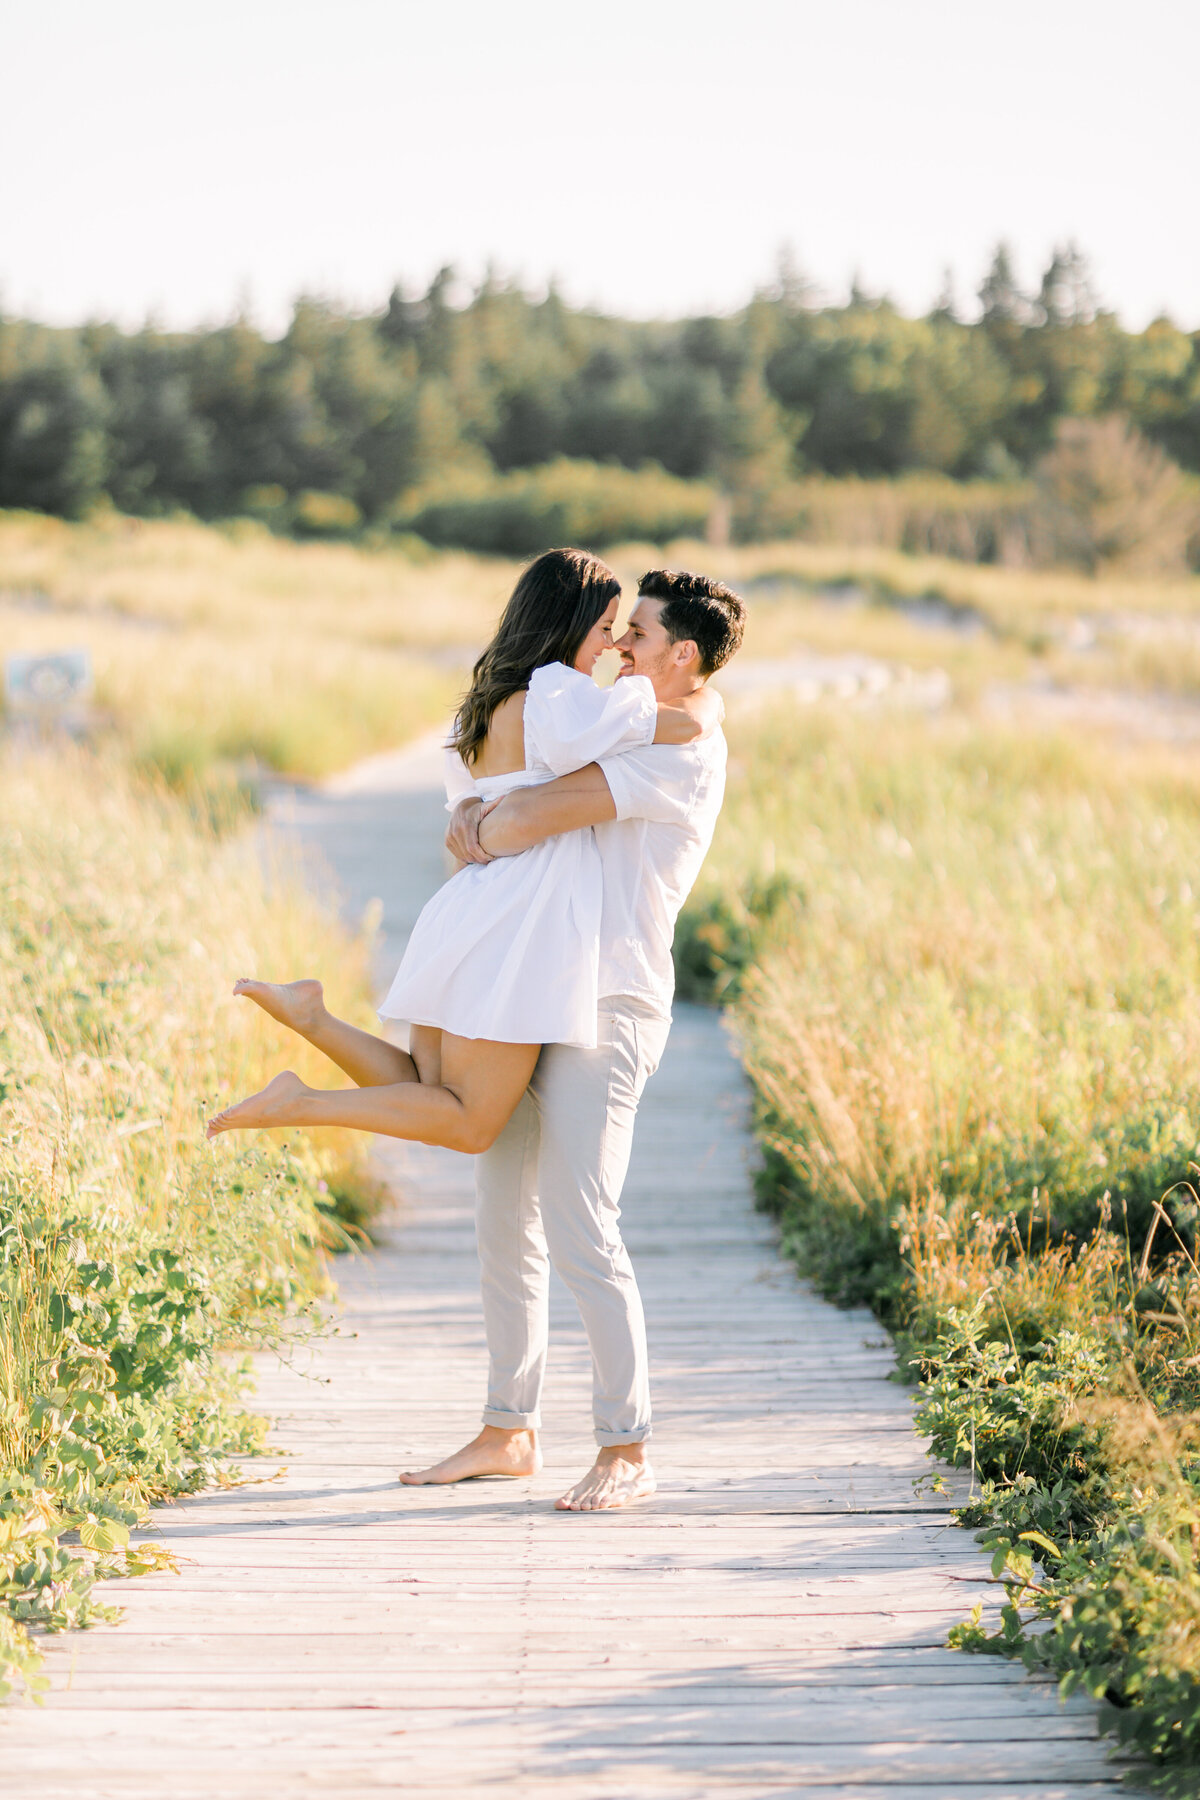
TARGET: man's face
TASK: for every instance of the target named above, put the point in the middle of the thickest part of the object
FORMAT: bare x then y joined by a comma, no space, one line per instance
645,648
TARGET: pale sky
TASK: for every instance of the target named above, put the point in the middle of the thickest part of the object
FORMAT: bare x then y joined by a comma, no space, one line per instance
652,155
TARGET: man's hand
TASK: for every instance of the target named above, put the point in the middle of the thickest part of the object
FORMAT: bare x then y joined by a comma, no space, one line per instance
462,833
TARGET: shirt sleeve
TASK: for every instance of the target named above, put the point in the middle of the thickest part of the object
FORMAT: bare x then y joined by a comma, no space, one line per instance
664,783
570,722
458,778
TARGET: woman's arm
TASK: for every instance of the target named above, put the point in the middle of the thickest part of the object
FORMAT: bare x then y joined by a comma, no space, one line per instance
690,717
569,721
528,815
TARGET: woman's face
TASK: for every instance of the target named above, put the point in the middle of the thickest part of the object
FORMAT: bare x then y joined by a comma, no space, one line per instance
598,640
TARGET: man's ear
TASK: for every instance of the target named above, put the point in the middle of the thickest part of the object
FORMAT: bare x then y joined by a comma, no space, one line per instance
685,652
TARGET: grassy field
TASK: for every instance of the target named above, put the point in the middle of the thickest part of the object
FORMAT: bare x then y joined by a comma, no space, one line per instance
963,954
229,649
131,1255
982,624
237,649
964,965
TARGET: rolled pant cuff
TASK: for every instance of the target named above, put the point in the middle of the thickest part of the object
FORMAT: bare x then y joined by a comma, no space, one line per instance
608,1440
512,1421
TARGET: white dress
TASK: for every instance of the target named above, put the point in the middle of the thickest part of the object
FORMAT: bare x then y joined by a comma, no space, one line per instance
509,950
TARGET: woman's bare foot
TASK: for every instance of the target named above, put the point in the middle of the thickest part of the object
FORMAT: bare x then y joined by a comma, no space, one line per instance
273,1105
619,1475
493,1452
300,1005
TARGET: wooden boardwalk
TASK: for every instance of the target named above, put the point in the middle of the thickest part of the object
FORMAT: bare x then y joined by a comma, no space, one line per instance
770,1624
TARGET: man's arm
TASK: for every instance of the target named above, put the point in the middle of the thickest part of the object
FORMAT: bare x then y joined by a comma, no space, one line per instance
479,833
656,784
528,815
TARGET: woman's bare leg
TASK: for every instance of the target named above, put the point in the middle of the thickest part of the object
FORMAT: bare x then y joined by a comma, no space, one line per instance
368,1060
482,1082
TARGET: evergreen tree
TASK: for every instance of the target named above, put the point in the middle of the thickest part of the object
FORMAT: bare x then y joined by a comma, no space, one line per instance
54,414
1066,295
1001,301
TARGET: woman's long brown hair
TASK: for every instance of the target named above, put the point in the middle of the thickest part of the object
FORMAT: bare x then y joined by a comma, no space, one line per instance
554,605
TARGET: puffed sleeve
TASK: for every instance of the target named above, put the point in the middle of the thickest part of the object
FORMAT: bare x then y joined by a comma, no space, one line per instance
458,778
570,722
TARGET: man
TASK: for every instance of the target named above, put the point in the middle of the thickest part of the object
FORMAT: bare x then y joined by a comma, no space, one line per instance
549,1188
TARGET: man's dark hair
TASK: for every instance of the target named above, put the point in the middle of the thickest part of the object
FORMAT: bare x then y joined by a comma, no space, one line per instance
707,612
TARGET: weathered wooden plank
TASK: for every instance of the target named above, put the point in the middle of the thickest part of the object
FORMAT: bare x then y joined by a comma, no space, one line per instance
890,1714
327,1739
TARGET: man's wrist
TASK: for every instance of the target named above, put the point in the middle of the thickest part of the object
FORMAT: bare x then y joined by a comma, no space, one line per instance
496,828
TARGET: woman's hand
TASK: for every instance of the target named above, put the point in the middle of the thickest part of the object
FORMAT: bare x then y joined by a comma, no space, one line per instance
462,833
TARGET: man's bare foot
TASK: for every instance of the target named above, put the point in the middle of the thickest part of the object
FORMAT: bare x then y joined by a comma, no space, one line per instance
300,1005
493,1452
273,1105
619,1475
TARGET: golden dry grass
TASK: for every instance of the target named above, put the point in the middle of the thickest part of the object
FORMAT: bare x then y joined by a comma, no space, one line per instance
229,644
234,646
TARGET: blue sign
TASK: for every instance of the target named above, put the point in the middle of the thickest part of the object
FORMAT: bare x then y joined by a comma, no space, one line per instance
47,684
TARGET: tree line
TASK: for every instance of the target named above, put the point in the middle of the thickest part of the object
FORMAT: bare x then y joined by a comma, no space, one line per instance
433,393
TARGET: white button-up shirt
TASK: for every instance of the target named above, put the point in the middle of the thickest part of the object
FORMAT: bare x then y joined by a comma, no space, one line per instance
668,798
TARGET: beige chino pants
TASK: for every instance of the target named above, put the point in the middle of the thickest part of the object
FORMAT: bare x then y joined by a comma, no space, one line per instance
548,1191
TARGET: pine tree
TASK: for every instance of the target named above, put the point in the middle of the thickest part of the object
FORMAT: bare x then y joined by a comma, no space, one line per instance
945,307
1067,296
1000,299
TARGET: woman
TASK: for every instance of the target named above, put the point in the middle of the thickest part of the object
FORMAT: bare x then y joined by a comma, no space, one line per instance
504,957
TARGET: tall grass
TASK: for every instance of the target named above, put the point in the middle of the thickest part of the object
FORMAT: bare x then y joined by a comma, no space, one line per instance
131,1253
965,963
233,647
1011,601
983,625
192,701
229,647
180,572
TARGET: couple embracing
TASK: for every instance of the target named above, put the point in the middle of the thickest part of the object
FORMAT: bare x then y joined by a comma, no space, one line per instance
537,983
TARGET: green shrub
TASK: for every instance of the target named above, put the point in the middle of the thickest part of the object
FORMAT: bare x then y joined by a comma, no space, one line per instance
722,930
1106,495
324,515
563,502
